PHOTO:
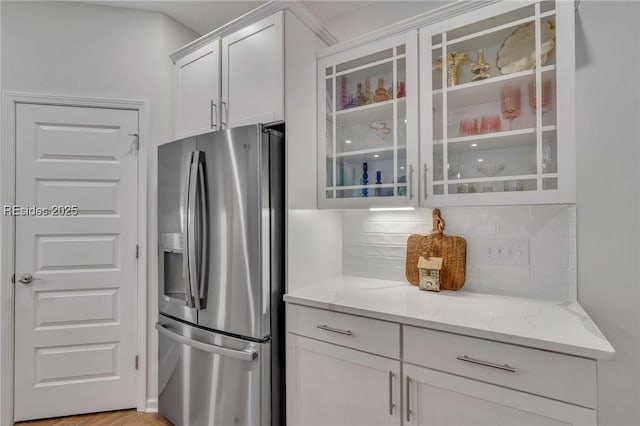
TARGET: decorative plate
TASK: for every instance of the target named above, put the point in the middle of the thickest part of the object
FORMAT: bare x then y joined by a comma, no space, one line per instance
517,52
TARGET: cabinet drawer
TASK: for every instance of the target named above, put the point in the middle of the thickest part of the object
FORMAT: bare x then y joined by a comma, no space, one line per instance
369,335
563,377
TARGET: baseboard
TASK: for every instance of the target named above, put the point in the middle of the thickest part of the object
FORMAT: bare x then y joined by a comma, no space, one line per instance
152,405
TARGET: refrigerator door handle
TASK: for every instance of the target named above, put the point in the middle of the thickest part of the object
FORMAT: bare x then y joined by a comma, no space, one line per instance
245,355
204,234
192,255
185,210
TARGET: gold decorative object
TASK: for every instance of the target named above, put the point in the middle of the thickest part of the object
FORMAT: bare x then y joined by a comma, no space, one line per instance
381,92
455,61
368,95
480,68
518,51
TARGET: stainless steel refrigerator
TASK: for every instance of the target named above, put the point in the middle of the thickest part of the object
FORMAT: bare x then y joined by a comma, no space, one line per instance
221,278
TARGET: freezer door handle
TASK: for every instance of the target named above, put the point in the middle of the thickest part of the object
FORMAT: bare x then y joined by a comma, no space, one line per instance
204,233
245,355
192,254
186,273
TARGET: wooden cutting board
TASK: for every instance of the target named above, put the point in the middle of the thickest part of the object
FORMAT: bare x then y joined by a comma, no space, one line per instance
452,249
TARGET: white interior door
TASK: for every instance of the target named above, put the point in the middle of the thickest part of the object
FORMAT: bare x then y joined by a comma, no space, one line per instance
75,322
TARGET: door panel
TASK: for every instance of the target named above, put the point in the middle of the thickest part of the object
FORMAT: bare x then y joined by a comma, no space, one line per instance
234,301
252,73
198,387
75,323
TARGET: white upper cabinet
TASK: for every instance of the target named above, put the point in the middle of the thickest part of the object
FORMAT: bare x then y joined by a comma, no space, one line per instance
497,101
496,125
197,85
252,73
368,125
233,81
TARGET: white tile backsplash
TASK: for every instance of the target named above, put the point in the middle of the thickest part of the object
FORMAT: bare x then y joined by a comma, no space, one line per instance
374,245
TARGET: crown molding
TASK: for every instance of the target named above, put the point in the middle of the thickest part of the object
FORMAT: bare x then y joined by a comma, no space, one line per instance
262,11
439,14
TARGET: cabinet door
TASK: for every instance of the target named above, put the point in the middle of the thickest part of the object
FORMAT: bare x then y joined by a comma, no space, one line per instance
331,385
500,85
197,78
253,74
433,398
368,125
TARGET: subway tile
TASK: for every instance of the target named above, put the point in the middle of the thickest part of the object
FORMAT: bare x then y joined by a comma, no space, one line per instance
401,216
452,215
374,245
397,227
513,230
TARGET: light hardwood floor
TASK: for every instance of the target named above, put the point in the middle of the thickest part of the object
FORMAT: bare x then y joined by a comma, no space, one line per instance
116,418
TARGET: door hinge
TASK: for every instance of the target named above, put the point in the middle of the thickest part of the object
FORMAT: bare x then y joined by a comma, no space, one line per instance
137,251
136,143
13,279
136,362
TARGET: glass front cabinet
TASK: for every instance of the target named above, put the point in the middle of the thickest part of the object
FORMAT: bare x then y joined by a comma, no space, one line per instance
368,125
497,106
474,110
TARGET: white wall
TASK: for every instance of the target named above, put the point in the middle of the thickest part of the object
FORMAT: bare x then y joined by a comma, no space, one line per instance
314,237
608,216
70,48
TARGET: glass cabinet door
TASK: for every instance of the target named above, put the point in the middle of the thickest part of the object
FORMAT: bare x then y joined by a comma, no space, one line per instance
494,107
365,117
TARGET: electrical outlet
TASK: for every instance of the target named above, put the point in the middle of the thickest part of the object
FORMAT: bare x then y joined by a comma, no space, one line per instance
507,252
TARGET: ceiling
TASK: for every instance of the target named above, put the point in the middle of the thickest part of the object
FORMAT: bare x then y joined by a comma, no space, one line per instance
203,16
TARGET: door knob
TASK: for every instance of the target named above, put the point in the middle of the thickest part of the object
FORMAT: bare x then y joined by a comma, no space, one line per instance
26,278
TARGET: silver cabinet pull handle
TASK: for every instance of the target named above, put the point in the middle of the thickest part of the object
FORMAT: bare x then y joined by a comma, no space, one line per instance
245,355
504,367
334,330
214,113
391,404
426,182
408,399
410,192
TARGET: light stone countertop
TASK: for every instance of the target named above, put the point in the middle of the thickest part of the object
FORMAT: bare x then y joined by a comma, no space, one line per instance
562,327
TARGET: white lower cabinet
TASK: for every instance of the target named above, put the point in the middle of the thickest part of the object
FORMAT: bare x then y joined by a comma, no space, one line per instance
329,385
433,398
351,370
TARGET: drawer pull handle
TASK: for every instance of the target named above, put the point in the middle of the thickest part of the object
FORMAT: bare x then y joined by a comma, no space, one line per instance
408,381
504,367
391,404
334,330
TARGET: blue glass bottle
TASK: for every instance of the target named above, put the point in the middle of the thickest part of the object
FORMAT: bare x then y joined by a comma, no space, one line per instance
378,182
365,179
